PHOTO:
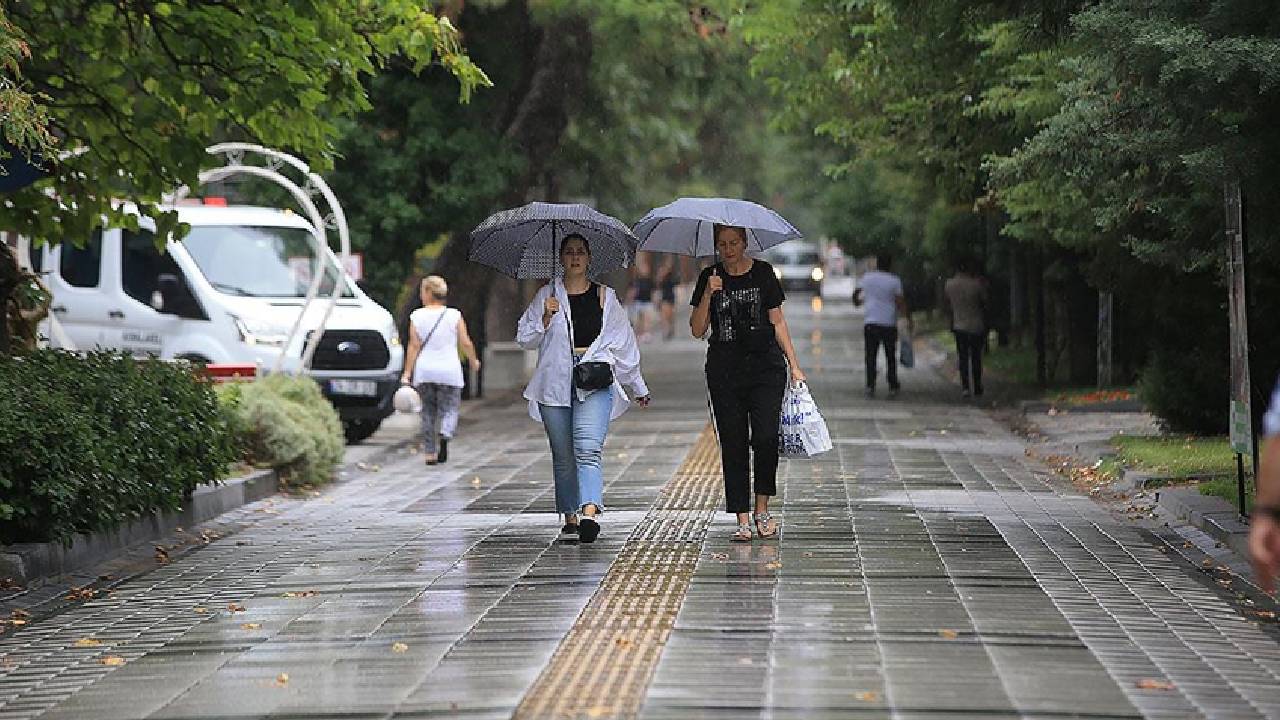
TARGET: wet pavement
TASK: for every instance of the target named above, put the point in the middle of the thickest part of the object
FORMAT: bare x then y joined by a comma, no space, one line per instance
928,569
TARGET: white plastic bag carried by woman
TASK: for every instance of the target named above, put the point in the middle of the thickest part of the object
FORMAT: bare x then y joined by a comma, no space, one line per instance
802,432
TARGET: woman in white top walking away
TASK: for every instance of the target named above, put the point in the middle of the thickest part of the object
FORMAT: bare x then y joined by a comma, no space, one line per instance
574,321
436,334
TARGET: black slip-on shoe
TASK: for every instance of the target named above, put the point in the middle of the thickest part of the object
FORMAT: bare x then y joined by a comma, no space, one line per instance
443,455
569,531
588,530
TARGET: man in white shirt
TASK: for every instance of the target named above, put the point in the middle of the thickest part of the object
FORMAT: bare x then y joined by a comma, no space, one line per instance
881,290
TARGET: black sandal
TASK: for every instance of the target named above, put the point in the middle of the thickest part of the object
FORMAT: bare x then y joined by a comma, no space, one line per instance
588,530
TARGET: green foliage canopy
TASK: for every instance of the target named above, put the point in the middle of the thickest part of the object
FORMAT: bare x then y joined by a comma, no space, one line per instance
136,90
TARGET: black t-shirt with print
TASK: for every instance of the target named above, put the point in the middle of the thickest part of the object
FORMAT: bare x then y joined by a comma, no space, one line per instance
740,314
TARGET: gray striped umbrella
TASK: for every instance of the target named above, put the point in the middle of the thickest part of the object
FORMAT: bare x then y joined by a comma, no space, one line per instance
524,242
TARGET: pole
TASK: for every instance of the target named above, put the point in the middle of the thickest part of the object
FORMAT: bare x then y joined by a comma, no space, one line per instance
1106,304
1240,484
1243,419
1042,372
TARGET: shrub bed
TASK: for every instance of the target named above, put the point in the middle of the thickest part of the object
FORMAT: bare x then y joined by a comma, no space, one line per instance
89,442
284,422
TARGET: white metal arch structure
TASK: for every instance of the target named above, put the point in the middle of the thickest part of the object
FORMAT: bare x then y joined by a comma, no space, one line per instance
235,155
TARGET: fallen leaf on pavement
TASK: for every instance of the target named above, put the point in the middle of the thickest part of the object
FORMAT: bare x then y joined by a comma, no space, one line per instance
162,555
282,679
250,626
868,696
775,565
949,634
301,593
111,660
720,556
399,647
1149,684
87,642
200,610
235,607
623,642
82,594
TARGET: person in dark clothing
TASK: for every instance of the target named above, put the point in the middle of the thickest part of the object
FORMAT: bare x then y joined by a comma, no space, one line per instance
739,300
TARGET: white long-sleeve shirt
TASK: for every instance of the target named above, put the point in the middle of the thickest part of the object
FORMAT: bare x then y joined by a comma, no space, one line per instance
552,380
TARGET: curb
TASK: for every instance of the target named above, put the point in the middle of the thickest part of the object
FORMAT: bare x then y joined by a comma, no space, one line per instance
28,563
1212,515
1137,480
1040,407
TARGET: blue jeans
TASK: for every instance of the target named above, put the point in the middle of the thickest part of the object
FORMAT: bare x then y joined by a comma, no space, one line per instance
576,435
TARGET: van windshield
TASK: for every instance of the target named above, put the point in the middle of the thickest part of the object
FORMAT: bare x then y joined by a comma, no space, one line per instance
783,255
258,261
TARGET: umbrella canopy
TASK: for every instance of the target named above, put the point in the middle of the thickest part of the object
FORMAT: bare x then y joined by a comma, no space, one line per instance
524,242
685,226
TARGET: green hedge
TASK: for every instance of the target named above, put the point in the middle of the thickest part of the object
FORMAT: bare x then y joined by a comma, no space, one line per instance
286,423
89,442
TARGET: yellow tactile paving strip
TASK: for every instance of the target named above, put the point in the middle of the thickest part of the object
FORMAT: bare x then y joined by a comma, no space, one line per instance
603,666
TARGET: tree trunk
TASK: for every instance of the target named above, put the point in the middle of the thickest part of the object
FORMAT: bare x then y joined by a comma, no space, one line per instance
10,275
538,119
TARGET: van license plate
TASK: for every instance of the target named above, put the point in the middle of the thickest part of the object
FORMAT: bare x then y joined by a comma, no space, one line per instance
367,388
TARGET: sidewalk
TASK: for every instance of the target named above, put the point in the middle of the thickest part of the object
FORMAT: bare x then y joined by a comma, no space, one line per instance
928,569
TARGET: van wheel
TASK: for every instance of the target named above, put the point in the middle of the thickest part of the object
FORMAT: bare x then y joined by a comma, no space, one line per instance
193,359
359,430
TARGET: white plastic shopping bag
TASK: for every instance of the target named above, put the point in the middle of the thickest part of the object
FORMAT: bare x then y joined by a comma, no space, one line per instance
802,432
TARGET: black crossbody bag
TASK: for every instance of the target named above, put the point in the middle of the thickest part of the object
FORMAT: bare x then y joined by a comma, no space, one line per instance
593,375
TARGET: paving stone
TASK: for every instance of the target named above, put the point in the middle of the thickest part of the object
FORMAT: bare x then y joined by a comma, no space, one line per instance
927,569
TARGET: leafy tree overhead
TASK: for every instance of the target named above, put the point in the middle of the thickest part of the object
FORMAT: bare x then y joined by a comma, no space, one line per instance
24,121
136,90
622,104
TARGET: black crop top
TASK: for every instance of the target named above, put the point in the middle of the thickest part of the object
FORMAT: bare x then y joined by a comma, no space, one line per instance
587,316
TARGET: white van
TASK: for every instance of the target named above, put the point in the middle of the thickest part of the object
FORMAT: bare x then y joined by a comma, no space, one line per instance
798,266
229,292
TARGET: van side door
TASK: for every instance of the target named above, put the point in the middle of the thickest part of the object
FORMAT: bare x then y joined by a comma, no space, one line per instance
137,325
75,279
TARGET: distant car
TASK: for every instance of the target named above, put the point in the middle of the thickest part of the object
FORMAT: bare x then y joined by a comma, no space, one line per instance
798,265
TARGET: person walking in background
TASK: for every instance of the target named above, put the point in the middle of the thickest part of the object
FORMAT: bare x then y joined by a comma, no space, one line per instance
641,295
593,330
965,298
749,348
666,278
881,291
437,334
